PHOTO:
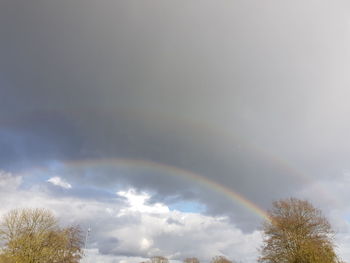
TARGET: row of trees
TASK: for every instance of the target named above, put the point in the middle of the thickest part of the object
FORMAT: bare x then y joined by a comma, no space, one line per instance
296,232
161,259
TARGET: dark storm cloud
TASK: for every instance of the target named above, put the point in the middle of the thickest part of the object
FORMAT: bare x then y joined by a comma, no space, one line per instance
224,89
36,137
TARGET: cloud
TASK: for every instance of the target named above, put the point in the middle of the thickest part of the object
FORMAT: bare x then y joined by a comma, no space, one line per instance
137,202
331,195
8,182
239,100
201,98
93,255
239,92
58,181
132,227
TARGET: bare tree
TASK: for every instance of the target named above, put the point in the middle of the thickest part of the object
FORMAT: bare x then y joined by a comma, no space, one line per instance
297,232
34,236
159,259
220,259
191,260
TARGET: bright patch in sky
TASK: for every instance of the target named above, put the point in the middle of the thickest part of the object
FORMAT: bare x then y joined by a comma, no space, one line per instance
188,206
58,181
138,202
9,182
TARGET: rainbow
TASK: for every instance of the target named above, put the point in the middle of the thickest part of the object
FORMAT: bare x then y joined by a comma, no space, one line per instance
229,138
173,171
157,119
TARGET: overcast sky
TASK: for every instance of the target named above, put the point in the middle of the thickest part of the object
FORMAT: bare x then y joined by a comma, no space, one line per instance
250,95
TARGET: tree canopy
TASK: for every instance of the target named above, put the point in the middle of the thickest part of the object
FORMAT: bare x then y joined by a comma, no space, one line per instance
297,233
34,236
220,259
159,259
191,260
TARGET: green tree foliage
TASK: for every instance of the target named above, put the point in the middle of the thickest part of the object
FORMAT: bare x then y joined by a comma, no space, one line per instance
34,236
297,233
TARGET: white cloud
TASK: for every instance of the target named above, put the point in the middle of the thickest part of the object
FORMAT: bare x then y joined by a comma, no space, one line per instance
133,229
137,202
145,243
9,182
93,255
58,181
129,228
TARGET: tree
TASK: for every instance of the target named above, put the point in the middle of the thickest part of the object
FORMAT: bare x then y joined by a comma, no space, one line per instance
297,232
159,259
191,260
34,236
5,259
220,259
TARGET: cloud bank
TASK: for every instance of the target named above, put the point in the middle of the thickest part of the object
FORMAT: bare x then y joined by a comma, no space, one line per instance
251,95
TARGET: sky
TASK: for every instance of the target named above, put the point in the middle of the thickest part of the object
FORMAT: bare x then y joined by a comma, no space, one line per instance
169,127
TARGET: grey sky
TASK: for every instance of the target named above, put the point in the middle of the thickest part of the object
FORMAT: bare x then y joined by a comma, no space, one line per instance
250,94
